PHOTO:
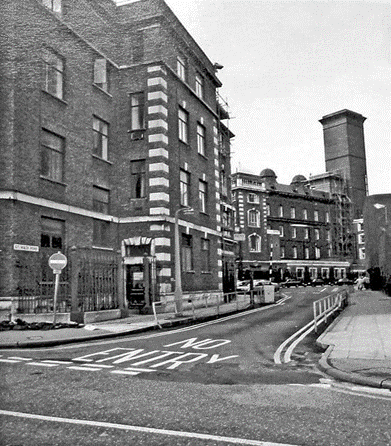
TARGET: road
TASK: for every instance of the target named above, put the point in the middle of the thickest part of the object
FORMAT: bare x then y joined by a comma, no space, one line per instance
210,384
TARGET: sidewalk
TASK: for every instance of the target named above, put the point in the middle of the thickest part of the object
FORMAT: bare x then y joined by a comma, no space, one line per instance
118,327
358,342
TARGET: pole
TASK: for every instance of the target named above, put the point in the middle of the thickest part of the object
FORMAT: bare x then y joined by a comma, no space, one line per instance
57,279
178,278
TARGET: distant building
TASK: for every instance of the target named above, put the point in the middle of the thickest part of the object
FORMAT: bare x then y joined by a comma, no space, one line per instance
112,123
288,228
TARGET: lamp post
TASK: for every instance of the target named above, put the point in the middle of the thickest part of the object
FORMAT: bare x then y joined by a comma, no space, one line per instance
178,278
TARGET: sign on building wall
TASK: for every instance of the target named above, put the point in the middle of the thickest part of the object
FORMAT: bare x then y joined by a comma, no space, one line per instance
30,248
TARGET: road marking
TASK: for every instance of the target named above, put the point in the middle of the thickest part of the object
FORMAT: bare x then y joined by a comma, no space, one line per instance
88,369
42,364
148,430
20,359
125,372
9,360
138,369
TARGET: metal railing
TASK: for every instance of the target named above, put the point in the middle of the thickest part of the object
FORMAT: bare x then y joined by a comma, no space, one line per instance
325,307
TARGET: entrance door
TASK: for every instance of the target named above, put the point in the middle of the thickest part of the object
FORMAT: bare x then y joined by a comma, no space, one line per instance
135,286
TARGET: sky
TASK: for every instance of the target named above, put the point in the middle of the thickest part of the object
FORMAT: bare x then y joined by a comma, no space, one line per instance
288,64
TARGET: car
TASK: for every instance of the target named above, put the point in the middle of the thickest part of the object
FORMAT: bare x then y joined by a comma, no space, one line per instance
318,281
243,285
291,282
345,281
261,282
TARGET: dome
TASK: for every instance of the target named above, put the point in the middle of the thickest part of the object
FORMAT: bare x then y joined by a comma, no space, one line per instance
268,173
298,179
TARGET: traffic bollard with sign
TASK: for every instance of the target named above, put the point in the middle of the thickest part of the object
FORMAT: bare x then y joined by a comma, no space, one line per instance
57,262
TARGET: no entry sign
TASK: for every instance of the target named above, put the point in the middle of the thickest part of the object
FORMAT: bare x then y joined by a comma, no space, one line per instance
57,262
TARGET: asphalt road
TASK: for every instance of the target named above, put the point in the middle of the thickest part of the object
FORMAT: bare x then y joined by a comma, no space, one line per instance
212,384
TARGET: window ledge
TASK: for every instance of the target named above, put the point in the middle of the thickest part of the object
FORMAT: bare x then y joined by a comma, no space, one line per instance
190,272
203,156
104,248
103,91
61,183
101,159
206,272
55,97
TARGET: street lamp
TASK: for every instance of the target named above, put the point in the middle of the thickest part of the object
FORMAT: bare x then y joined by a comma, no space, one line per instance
178,278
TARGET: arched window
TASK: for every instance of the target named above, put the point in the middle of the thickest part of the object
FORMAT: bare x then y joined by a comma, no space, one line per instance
254,243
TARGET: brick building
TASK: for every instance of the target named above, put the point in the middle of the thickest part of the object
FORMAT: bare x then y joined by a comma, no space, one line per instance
111,123
288,228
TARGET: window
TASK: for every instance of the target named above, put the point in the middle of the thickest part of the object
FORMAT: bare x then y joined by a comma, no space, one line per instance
185,187
327,217
293,212
199,86
101,138
100,200
268,209
137,179
101,232
325,273
313,273
294,232
187,252
329,236
101,74
300,273
282,252
52,156
305,214
183,123
53,73
254,243
317,234
205,255
253,218
52,233
201,139
281,231
137,111
316,215
361,253
280,211
53,5
361,238
253,198
306,233
295,252
307,253
317,252
181,67
329,251
203,195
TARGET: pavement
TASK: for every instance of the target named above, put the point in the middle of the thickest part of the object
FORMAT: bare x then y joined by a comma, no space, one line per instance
357,343
135,323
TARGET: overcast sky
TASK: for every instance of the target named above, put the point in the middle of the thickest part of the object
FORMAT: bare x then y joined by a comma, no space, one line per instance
287,64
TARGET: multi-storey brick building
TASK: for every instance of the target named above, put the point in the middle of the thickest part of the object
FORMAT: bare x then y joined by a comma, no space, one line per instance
111,124
288,228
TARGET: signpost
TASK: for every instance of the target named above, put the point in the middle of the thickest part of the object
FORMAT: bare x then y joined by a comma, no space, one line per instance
57,262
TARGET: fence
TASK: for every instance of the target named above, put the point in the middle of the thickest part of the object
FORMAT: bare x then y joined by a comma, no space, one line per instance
91,276
324,308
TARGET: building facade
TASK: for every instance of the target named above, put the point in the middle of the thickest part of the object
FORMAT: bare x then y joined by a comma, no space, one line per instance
112,127
288,229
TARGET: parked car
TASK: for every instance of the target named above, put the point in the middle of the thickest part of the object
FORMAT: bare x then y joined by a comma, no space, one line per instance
291,282
317,282
345,281
243,285
261,282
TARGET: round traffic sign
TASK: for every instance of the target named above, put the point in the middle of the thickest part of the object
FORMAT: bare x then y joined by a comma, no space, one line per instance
57,262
